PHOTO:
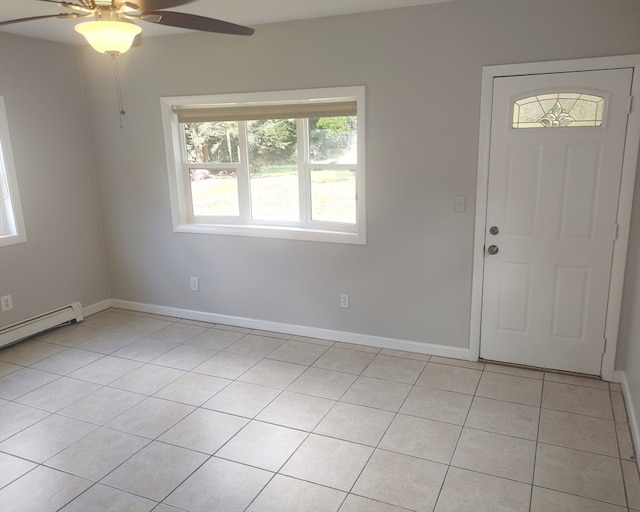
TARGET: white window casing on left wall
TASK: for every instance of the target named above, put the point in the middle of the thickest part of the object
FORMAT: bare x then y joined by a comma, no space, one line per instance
12,230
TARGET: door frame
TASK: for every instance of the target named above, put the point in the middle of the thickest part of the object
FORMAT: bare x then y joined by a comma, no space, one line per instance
625,202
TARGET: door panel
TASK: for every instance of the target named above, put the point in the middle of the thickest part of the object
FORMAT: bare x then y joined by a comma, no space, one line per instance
515,283
523,176
553,195
569,302
580,190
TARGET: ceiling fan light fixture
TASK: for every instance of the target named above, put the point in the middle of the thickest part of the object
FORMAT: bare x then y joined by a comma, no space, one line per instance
107,36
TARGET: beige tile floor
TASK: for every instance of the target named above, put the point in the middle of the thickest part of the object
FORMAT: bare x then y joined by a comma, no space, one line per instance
136,412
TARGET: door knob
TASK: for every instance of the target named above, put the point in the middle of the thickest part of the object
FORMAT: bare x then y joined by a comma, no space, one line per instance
493,249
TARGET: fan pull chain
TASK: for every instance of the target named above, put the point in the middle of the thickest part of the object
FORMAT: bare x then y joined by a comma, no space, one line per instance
116,71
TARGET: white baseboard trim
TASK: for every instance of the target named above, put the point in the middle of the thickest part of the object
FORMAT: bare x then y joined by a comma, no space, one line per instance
97,307
620,377
293,329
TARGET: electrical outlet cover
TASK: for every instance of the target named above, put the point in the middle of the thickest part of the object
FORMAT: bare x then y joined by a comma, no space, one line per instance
7,302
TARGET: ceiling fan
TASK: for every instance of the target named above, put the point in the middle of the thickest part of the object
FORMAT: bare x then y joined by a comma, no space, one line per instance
113,29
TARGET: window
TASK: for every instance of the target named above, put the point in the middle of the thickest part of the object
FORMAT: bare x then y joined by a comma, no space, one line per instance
285,164
11,222
558,110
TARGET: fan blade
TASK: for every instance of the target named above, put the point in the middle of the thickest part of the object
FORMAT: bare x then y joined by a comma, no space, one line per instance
69,5
193,22
149,5
151,18
60,16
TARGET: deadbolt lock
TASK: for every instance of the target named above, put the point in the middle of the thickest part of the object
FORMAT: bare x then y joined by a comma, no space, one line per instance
494,230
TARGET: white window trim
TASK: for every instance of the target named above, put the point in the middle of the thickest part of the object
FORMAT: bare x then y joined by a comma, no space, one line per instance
178,188
9,186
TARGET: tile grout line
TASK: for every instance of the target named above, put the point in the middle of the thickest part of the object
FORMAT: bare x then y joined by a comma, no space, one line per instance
535,454
624,480
373,451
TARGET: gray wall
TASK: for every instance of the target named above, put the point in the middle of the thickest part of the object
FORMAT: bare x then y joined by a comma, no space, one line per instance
422,70
63,258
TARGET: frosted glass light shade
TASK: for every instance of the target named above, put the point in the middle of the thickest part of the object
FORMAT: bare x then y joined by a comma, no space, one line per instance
109,36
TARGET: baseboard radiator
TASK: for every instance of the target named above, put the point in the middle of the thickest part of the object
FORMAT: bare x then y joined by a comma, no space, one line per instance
37,324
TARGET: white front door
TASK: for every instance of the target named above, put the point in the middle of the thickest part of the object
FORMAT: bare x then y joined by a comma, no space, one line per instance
557,142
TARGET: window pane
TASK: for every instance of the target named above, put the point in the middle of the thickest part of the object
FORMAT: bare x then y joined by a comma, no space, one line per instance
273,169
214,192
333,195
558,110
215,142
333,140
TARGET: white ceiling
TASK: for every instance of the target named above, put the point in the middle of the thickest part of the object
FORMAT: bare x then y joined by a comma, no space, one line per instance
243,12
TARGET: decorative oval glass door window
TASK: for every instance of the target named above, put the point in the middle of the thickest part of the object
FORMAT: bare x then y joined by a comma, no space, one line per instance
558,110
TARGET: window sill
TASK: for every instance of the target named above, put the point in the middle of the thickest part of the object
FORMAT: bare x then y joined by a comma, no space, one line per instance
12,240
286,233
